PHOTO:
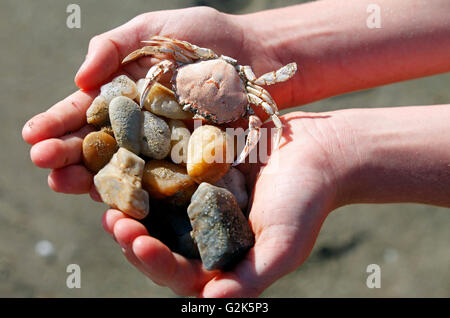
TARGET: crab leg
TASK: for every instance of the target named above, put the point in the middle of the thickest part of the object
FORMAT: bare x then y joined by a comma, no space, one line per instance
200,52
153,75
174,47
157,51
252,139
268,107
281,75
263,94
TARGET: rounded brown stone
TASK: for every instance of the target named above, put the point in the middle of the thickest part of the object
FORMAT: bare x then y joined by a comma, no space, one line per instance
98,149
164,179
209,154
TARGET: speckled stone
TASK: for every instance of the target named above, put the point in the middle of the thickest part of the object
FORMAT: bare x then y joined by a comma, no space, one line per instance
119,184
234,181
164,179
125,117
220,229
98,113
155,136
119,86
97,150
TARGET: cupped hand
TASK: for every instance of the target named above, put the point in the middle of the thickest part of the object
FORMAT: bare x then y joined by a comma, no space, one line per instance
57,134
292,195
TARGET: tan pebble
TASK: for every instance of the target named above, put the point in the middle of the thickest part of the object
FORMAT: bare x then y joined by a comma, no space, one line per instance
107,129
97,113
163,179
162,101
119,184
98,149
179,140
209,154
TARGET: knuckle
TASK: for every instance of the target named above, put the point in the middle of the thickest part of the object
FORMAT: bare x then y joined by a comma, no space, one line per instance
95,40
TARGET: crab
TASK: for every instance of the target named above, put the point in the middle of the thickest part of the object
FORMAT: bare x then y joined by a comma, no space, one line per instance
213,87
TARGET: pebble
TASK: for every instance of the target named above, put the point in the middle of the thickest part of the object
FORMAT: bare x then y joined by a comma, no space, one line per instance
107,129
179,140
155,136
44,248
207,158
125,117
98,149
220,229
119,184
164,179
98,113
119,86
162,101
234,181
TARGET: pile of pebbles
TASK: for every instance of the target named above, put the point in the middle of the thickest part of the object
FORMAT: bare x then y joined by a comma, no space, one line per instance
177,181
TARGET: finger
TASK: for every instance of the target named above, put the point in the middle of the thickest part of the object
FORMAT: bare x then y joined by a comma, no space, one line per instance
263,265
106,52
74,179
56,153
185,277
94,194
110,217
125,231
66,116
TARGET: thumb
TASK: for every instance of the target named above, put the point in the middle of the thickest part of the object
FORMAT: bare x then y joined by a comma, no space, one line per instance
106,52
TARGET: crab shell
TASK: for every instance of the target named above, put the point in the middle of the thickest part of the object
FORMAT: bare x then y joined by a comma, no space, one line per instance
211,89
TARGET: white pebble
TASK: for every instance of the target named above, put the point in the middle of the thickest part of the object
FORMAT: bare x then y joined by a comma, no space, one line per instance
44,248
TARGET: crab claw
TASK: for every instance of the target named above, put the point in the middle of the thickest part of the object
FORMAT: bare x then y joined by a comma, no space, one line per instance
147,88
153,75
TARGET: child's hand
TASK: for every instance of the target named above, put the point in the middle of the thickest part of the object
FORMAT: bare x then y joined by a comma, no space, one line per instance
291,198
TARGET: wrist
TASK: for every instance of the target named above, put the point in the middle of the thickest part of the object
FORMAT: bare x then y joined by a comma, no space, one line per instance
393,155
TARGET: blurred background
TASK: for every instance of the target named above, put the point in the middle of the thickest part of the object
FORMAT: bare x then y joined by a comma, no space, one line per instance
41,232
